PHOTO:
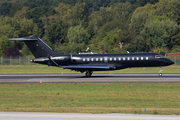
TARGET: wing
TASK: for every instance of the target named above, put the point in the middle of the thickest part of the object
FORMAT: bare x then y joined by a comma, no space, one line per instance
94,67
85,67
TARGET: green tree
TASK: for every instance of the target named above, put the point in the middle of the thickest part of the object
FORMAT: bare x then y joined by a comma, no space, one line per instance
139,18
5,8
5,44
9,27
54,34
90,31
77,47
144,2
99,18
113,38
8,31
76,14
21,13
122,10
175,36
37,3
143,17
28,27
156,33
14,8
103,47
60,17
12,28
77,34
175,49
62,9
36,13
176,11
165,8
96,21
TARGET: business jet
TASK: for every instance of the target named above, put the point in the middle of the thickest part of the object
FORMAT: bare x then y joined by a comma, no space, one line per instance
91,62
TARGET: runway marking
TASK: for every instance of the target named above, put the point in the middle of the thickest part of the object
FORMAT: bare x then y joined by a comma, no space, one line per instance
91,116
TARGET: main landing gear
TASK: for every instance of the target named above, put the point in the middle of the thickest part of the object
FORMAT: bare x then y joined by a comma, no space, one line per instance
88,73
160,74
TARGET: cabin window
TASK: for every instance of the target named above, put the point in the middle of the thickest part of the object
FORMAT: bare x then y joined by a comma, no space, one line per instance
158,56
110,59
84,59
92,59
119,58
146,58
132,58
114,59
101,59
87,59
124,58
137,58
128,58
141,58
96,59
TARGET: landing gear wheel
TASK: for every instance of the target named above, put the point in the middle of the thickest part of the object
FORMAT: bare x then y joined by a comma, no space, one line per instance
88,73
160,74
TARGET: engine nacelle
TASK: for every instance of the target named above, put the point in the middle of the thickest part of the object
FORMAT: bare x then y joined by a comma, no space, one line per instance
55,60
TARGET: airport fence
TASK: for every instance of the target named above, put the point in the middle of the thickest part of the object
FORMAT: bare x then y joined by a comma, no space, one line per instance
175,59
15,60
19,60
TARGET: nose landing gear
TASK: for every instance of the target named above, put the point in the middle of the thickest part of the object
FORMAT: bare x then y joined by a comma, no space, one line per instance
160,72
88,73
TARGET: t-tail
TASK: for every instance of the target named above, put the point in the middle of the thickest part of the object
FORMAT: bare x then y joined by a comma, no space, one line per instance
37,46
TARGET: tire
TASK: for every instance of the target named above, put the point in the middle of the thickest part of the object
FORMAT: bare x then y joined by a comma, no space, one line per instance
88,73
160,74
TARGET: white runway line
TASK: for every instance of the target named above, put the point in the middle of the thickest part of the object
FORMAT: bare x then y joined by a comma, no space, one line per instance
65,116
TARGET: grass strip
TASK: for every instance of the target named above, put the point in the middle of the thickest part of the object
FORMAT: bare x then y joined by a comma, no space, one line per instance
40,69
157,98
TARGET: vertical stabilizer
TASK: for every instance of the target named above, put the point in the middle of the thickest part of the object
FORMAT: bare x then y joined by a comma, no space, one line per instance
36,46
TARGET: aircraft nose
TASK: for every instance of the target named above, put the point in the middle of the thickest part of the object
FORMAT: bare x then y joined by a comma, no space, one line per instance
169,62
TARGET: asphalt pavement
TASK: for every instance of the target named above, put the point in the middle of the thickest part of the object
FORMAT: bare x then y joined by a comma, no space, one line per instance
81,78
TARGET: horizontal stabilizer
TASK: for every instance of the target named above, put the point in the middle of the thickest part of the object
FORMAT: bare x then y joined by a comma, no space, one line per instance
32,37
85,67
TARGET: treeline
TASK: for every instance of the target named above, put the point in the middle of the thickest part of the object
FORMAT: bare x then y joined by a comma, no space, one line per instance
105,26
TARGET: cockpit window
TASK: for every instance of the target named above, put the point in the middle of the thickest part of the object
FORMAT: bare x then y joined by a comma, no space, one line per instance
158,56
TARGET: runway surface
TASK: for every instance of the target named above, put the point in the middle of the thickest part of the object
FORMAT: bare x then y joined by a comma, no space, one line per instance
73,116
80,78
